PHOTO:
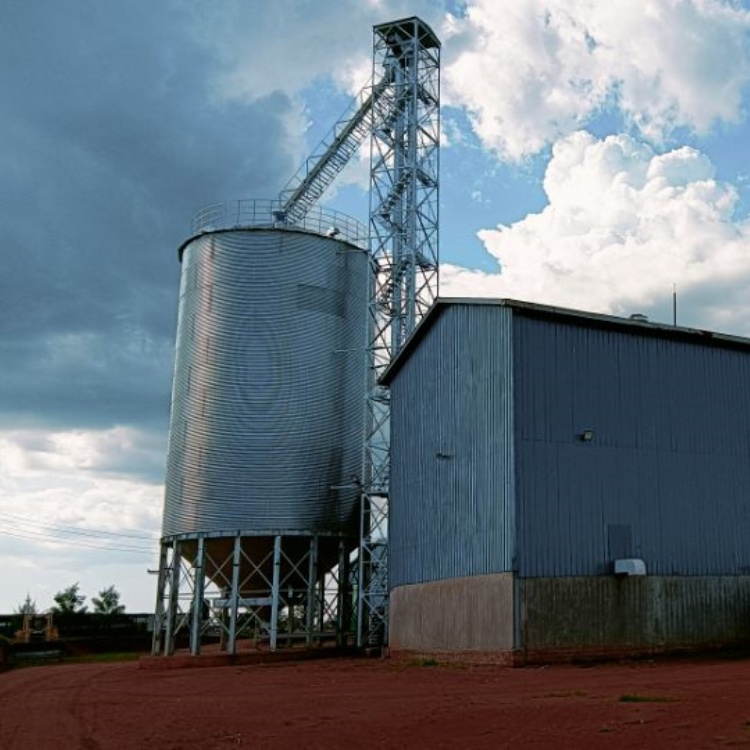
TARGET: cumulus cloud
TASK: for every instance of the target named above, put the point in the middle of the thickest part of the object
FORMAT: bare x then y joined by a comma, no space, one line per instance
119,452
292,47
291,43
70,492
532,72
622,224
79,505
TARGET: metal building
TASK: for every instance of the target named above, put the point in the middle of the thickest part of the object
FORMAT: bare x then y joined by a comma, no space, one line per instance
565,483
266,430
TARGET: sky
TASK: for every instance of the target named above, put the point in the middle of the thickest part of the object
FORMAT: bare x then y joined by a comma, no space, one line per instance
593,156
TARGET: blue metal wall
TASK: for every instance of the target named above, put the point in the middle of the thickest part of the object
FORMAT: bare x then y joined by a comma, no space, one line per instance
666,477
489,473
451,510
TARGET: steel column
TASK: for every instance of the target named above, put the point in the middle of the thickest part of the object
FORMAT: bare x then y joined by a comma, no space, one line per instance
234,595
321,599
173,601
275,591
161,585
342,611
197,605
312,576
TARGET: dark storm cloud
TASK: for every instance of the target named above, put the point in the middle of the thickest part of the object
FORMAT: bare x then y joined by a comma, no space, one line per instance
112,133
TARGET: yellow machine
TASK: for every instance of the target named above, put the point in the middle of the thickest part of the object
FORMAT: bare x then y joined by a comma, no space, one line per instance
37,628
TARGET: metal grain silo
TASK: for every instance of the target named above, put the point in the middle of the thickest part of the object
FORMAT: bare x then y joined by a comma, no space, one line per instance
262,498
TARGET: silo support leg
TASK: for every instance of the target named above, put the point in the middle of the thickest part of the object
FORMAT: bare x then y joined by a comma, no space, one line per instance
312,577
160,591
342,595
322,604
173,600
197,609
235,595
275,591
362,577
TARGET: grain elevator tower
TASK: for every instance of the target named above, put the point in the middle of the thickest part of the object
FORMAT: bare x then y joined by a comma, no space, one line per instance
278,463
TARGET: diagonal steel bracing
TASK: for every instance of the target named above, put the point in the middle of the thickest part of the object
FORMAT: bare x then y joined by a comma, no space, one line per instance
264,592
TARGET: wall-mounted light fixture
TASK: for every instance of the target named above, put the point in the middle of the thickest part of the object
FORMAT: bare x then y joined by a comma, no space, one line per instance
586,436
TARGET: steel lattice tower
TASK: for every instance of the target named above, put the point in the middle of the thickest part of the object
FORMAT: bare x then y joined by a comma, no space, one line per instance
404,208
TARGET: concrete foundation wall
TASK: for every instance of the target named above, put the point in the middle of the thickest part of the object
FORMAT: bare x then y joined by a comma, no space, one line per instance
457,614
622,616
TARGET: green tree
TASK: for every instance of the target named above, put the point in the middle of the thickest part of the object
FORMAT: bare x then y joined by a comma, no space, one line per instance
108,602
26,607
69,601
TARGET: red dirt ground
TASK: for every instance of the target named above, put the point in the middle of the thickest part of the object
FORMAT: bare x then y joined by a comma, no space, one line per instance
347,703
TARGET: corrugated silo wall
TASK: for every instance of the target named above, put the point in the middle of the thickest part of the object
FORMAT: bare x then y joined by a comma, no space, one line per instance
267,404
666,479
451,512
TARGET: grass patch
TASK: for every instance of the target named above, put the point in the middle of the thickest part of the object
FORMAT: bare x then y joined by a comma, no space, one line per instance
426,661
31,660
566,694
106,658
638,698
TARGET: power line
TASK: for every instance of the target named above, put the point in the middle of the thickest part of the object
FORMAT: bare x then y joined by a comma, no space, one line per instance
78,531
38,537
25,528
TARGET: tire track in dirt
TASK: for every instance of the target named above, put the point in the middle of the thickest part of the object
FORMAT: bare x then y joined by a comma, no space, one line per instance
83,711
44,693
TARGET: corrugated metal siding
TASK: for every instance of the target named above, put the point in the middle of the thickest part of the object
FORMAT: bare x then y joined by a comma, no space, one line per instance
267,405
451,511
649,611
667,475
